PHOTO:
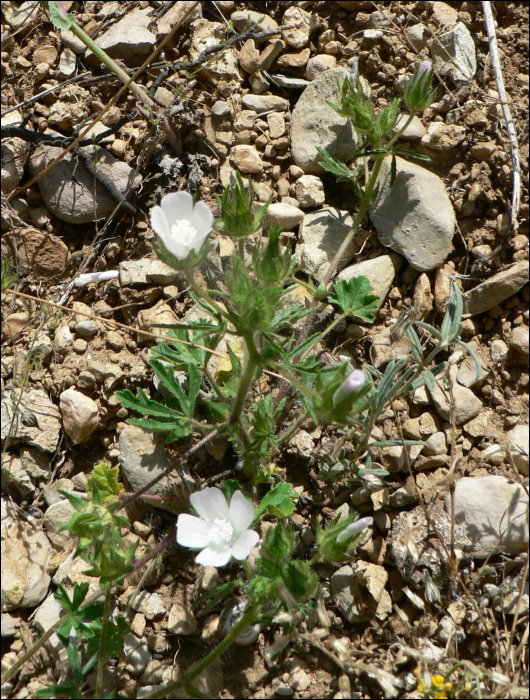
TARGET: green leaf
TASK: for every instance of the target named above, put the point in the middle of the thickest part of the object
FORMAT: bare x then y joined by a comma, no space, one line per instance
79,617
220,411
279,501
59,17
229,487
114,638
106,479
279,542
338,168
354,298
7,279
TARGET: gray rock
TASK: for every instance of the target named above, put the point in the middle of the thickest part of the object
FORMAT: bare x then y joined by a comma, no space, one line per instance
80,415
518,439
285,215
414,131
519,342
128,39
318,64
15,476
310,191
498,351
402,497
33,406
467,405
490,508
150,604
436,444
418,35
136,652
48,613
343,595
181,620
74,201
381,272
9,625
443,137
288,82
415,216
63,340
55,517
496,289
314,123
87,327
14,155
454,54
25,553
321,235
51,493
467,374
142,458
246,159
146,271
67,64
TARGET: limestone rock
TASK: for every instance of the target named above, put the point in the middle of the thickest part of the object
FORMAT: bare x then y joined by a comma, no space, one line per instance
25,553
415,216
128,39
80,415
285,215
496,289
314,123
309,191
223,71
321,234
36,420
75,201
490,508
454,54
302,23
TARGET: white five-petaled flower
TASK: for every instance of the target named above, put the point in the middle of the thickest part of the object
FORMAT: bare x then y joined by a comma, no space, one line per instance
354,528
221,530
181,225
353,381
88,277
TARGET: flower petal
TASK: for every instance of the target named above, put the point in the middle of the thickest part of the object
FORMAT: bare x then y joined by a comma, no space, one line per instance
202,218
179,249
210,503
192,531
177,205
241,513
218,555
197,243
244,544
159,222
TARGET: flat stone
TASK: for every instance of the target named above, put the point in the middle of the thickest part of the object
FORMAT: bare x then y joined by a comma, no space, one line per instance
318,64
128,39
498,351
135,273
478,426
75,201
374,578
314,123
302,24
223,71
289,82
36,405
419,35
518,440
414,131
265,103
321,235
490,508
80,415
415,216
454,54
381,272
259,21
246,159
142,457
285,215
496,289
467,374
249,56
342,591
467,405
150,604
295,60
55,517
443,137
309,191
181,620
25,553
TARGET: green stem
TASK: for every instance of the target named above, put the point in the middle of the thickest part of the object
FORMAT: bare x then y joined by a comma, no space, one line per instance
245,381
102,640
212,656
203,294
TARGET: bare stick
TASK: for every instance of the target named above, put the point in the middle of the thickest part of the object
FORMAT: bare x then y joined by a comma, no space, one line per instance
512,136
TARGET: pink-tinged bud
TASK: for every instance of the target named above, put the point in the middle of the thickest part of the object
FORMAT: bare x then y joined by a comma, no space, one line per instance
423,70
62,9
353,381
354,528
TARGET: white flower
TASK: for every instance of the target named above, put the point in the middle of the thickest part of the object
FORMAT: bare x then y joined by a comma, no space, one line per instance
88,277
221,531
354,528
353,381
181,226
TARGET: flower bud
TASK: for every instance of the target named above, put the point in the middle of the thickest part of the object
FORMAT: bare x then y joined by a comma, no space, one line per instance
354,528
352,383
418,94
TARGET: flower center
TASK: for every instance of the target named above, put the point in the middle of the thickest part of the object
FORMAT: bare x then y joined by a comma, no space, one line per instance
184,232
221,531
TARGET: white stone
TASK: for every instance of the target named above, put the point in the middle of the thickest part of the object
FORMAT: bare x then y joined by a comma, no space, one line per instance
246,159
224,66
302,25
80,415
128,39
381,272
150,604
285,215
265,103
498,351
490,508
518,440
181,620
35,403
